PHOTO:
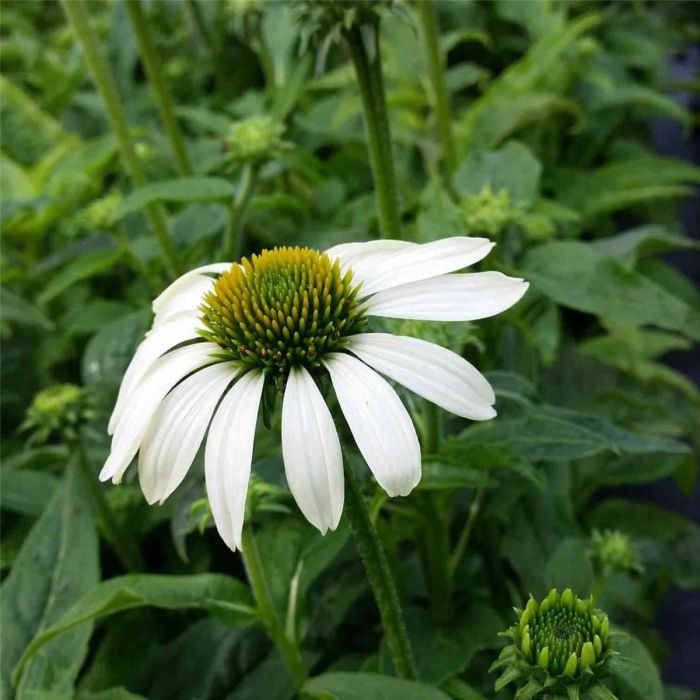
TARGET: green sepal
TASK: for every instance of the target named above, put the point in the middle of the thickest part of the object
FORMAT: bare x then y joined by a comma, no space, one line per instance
509,675
529,690
598,691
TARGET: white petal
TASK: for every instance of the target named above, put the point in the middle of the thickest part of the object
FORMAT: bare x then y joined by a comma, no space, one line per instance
465,297
379,423
313,461
188,301
157,342
177,429
143,401
185,282
229,453
352,253
419,262
431,371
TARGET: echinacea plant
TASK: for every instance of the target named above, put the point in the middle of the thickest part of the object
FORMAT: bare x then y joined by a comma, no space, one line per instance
612,550
560,648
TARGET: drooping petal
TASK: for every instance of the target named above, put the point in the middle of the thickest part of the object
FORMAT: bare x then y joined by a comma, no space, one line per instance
349,254
185,282
379,423
431,371
156,343
313,461
465,297
229,453
143,401
419,262
177,428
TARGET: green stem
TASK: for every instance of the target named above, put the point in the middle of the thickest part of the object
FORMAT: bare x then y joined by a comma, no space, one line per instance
78,16
289,651
370,79
123,545
464,536
436,71
138,265
154,71
380,579
233,244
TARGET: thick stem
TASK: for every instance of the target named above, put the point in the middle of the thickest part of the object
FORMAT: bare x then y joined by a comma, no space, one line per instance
436,71
370,79
233,245
380,579
154,71
289,651
123,545
77,15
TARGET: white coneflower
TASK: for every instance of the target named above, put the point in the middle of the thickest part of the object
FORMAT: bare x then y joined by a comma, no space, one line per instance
286,317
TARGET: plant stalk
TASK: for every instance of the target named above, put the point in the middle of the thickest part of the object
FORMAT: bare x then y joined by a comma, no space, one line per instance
464,536
436,72
370,78
154,71
380,578
124,547
291,655
78,16
233,244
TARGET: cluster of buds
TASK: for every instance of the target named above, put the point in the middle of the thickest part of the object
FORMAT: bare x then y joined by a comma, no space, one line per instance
254,140
57,412
612,551
100,215
488,212
559,647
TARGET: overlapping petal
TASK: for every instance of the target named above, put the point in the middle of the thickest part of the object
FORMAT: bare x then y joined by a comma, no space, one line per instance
313,459
229,453
144,400
455,297
429,370
176,430
187,282
379,423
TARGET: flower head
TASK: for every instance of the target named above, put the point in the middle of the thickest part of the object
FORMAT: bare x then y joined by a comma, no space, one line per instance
559,646
58,411
254,139
612,551
282,321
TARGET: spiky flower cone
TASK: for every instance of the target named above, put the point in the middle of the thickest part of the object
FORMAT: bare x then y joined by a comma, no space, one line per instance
560,648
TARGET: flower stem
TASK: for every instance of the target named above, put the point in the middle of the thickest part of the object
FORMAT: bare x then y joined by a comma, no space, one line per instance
374,560
436,71
370,78
154,71
124,547
233,245
289,651
78,16
464,536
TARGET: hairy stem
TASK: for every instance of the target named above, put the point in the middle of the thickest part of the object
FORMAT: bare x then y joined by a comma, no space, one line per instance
78,16
288,649
370,78
123,545
380,579
154,71
436,71
233,244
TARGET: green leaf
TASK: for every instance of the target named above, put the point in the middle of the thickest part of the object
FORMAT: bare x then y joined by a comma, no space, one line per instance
512,167
186,189
638,519
17,310
223,596
79,269
575,275
634,672
58,562
643,241
368,686
570,567
111,694
26,491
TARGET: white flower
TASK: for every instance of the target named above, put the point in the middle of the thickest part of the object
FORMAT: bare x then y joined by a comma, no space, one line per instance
286,317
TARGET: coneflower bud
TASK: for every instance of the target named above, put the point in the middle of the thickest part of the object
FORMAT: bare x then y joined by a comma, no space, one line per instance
57,412
559,644
254,139
612,550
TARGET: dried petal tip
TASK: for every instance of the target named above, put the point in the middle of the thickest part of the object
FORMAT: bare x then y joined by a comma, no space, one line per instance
560,644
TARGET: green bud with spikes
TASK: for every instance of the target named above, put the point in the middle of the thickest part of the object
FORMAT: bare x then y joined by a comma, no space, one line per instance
559,644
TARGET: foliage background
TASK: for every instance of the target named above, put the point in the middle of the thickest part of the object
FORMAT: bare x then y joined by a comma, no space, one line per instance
551,105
